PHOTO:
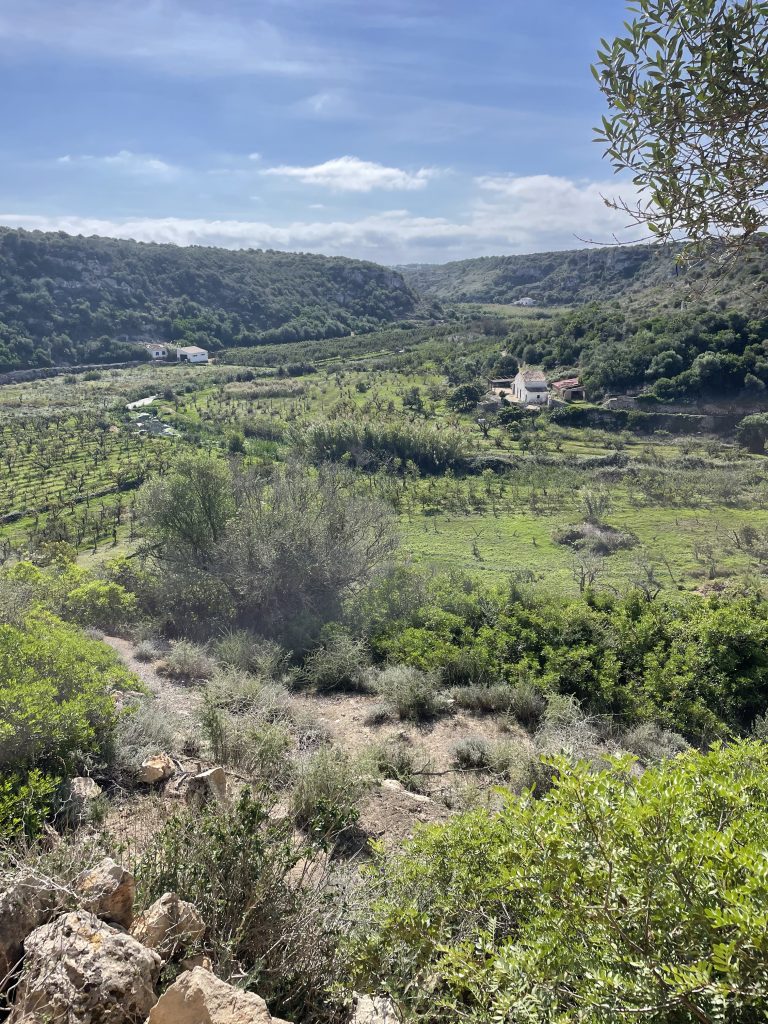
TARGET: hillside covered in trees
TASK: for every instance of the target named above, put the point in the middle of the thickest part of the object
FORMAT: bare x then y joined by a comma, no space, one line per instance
683,356
639,274
66,299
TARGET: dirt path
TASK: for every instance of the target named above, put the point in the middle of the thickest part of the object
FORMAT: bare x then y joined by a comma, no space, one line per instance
174,697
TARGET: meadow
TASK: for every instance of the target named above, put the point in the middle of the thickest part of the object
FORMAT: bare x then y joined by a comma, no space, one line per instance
73,459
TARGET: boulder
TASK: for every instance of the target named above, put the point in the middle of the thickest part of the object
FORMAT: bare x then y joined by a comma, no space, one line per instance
25,904
107,890
156,769
208,785
198,997
81,792
374,1010
80,969
169,925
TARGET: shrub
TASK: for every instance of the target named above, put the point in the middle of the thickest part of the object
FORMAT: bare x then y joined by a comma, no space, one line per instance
394,759
650,742
98,603
485,699
56,709
241,649
527,703
614,896
187,660
410,693
147,650
234,864
472,753
328,786
142,730
374,445
340,663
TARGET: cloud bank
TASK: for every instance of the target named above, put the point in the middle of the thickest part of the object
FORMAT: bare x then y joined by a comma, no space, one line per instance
507,215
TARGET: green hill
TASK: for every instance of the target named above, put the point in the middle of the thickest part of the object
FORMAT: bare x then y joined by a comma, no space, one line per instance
641,275
66,299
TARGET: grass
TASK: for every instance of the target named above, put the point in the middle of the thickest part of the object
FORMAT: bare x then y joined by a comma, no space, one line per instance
90,453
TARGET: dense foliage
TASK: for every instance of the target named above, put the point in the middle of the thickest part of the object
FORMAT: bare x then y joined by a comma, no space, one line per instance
56,712
698,666
683,356
687,94
66,299
614,897
647,275
278,556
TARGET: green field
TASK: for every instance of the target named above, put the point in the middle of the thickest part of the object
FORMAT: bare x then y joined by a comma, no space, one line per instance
74,460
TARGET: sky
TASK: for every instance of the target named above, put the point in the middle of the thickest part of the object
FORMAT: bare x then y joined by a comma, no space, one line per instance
399,131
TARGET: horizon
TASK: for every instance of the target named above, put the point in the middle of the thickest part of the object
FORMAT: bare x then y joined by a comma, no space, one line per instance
415,133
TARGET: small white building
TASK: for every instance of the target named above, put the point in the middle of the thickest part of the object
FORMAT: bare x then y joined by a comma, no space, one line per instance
192,354
156,349
530,388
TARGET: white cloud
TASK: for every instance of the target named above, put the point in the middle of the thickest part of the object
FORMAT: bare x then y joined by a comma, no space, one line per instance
176,35
508,215
350,174
254,156
542,211
125,162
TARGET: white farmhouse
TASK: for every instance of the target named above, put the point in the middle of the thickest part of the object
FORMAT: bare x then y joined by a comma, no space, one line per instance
156,350
530,388
192,354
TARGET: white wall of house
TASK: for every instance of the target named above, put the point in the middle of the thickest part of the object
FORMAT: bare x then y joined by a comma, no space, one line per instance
192,355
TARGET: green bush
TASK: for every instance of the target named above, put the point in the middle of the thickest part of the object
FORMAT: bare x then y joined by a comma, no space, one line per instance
188,660
617,896
339,664
376,445
262,932
328,787
56,708
101,604
411,694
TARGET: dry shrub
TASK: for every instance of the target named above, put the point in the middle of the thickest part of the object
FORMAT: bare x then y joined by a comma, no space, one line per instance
190,661
410,694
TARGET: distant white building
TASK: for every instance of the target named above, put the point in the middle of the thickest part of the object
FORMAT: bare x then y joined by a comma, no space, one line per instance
530,388
192,354
156,350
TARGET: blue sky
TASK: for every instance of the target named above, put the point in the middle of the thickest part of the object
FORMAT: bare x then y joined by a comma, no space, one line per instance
398,130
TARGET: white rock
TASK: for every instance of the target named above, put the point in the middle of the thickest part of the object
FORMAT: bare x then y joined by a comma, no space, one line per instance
107,890
392,784
169,925
207,785
25,904
197,997
81,792
79,970
374,1010
156,769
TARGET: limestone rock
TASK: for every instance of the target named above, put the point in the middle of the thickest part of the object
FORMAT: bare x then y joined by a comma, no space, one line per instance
169,925
107,890
25,904
78,968
197,997
156,769
81,792
211,784
374,1010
